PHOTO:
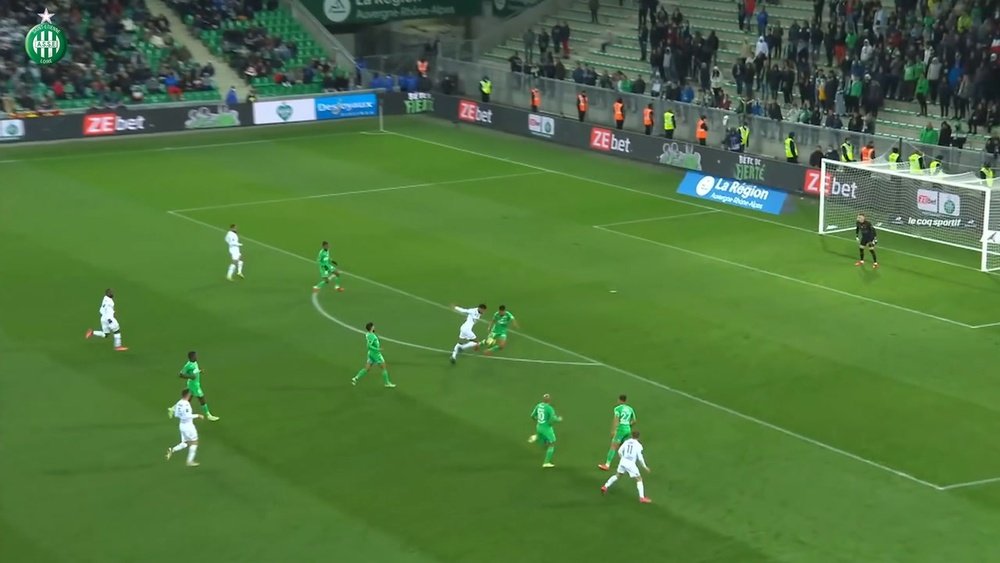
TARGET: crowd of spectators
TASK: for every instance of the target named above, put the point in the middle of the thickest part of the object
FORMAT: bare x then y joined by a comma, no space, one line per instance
836,70
118,53
252,49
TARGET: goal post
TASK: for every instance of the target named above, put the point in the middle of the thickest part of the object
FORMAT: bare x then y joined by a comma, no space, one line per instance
958,210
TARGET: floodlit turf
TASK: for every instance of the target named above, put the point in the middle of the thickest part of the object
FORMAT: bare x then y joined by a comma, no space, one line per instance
793,407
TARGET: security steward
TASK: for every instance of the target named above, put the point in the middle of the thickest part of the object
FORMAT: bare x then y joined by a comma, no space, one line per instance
701,131
846,151
744,131
669,124
647,118
894,158
619,112
868,152
916,162
986,173
582,103
485,89
791,149
935,166
536,99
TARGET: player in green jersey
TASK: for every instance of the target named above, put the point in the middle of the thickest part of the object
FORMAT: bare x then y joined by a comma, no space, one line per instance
497,331
327,270
374,357
544,415
621,429
192,373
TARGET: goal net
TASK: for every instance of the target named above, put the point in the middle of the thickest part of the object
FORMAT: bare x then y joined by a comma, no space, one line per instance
958,210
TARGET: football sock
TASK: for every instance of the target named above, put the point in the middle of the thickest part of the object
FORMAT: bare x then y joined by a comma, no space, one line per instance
611,480
494,348
385,376
861,251
362,373
118,339
611,456
191,452
99,333
179,447
322,283
454,351
638,485
232,268
239,267
874,258
204,407
468,345
551,451
336,281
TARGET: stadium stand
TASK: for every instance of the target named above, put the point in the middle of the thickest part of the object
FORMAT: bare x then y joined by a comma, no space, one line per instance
879,49
118,53
264,44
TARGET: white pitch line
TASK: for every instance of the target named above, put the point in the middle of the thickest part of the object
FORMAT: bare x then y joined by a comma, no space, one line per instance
319,308
663,218
626,373
667,198
987,325
354,192
787,278
971,484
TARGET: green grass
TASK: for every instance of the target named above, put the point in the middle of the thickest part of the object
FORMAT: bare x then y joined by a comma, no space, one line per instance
780,390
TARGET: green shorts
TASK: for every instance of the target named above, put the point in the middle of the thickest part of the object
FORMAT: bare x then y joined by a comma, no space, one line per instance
546,434
195,388
327,272
502,336
375,359
623,433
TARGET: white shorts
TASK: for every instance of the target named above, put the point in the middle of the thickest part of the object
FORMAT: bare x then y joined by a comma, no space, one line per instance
630,467
465,333
234,253
109,325
188,432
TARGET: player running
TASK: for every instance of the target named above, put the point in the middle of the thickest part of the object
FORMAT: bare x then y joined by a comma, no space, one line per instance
864,231
466,335
374,357
192,373
189,433
235,253
631,452
327,270
621,429
497,331
109,324
544,415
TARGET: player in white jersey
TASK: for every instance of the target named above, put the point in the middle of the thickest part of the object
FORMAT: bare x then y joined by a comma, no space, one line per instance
109,324
235,253
189,434
466,335
631,460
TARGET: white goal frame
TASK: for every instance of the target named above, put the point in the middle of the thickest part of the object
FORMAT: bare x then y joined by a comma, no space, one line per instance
987,232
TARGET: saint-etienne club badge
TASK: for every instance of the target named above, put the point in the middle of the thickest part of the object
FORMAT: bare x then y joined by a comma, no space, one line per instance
45,43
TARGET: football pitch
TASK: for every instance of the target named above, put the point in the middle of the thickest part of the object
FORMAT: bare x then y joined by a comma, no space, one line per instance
793,408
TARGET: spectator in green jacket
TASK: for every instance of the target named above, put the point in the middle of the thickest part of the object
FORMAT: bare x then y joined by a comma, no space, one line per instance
923,88
928,135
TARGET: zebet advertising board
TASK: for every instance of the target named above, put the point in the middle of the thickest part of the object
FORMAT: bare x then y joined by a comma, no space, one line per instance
733,192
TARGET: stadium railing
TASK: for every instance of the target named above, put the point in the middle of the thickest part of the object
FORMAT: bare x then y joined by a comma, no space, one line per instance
766,135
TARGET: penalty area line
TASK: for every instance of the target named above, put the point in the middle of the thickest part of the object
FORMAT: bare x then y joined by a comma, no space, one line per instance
319,309
968,484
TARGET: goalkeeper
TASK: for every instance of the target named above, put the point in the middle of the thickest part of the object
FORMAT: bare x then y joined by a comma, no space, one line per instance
864,231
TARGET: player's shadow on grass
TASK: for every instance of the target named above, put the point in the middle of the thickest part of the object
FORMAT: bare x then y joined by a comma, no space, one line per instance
848,249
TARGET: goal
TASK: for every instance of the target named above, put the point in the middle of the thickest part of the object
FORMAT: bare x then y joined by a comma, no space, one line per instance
958,210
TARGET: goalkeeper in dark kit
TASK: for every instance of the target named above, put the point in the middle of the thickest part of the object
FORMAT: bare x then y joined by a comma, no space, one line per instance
864,231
